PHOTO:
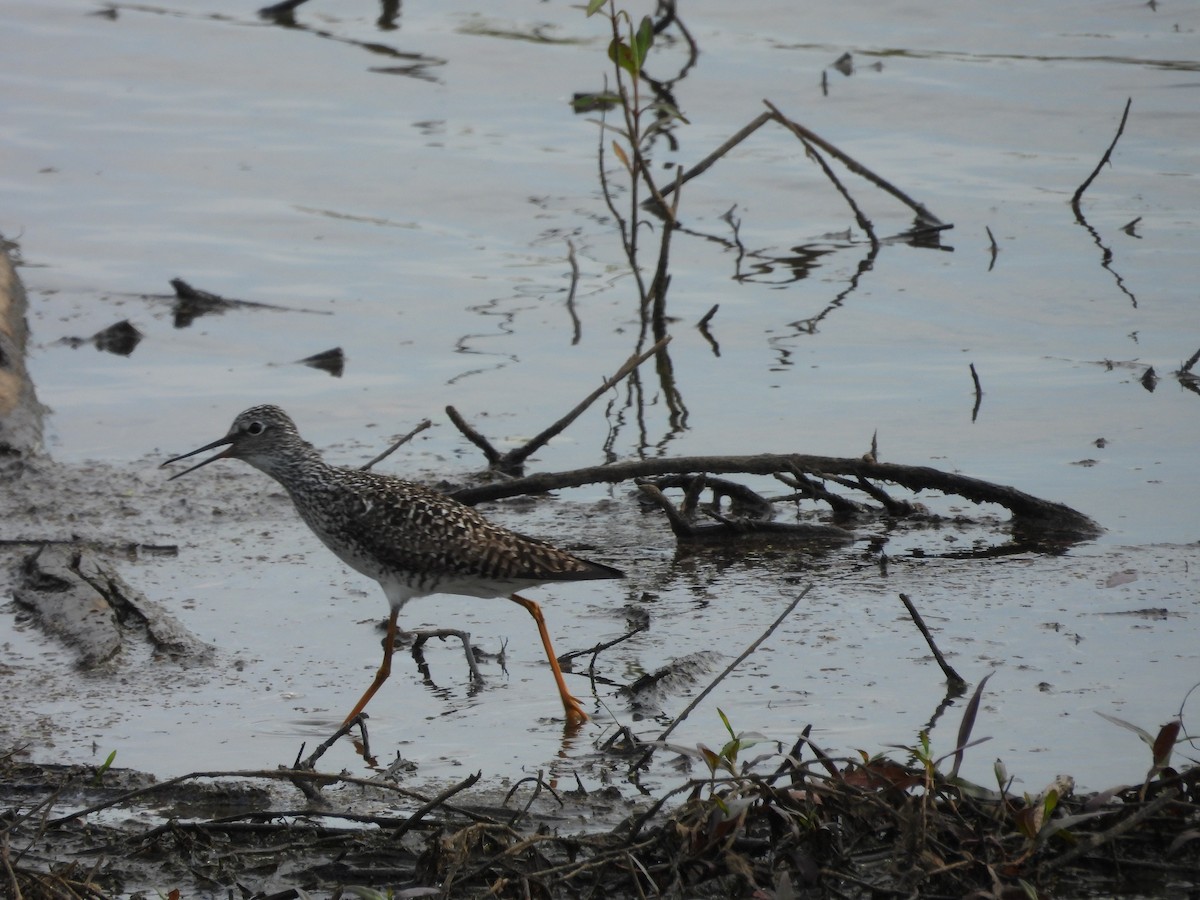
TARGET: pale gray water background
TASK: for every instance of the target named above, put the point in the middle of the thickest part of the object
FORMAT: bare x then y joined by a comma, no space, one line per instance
423,216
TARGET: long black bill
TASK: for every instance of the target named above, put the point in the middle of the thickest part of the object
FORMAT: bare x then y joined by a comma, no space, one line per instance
228,439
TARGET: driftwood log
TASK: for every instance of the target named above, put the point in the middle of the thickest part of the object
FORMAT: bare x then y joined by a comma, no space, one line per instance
1031,516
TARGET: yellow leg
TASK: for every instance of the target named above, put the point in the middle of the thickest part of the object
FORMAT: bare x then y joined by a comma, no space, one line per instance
385,668
575,713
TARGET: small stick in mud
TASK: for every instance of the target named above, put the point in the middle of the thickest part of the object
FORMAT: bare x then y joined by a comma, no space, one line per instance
310,764
955,680
1100,165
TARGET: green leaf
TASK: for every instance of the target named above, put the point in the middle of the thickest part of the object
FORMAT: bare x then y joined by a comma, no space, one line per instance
104,767
594,6
642,40
619,53
725,720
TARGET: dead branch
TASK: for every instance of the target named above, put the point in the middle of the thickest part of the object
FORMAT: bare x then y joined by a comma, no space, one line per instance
512,462
705,164
685,529
923,214
712,686
748,504
863,222
1099,840
809,489
490,453
1042,517
420,637
956,680
400,442
662,276
1078,195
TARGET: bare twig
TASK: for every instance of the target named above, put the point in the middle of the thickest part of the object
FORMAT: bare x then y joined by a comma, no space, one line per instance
1098,840
712,686
602,646
863,222
433,804
978,392
703,326
424,423
490,453
662,276
994,247
952,676
309,765
511,462
1100,165
705,164
576,327
855,166
420,637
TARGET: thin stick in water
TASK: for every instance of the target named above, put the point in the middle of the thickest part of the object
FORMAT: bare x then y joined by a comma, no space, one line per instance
729,668
1100,165
952,676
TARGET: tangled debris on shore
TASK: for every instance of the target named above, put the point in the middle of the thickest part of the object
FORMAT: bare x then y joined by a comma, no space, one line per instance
781,825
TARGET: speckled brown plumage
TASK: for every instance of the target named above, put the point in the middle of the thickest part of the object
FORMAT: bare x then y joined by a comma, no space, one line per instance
413,540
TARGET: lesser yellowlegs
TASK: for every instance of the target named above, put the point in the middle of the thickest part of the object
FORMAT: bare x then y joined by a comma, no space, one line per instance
411,539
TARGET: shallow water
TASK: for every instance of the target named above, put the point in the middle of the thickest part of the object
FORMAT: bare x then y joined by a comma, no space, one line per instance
419,216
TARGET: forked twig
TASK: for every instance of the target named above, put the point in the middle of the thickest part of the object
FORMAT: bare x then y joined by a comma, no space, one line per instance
309,765
854,165
512,461
490,453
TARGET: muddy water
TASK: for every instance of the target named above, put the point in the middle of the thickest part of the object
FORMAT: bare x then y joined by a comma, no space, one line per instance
408,192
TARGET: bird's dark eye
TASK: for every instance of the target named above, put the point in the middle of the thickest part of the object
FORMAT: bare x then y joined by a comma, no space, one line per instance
255,428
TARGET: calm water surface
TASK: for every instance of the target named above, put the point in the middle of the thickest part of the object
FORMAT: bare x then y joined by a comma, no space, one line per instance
407,193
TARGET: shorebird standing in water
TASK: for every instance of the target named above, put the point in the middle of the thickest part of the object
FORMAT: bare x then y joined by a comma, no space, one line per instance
413,540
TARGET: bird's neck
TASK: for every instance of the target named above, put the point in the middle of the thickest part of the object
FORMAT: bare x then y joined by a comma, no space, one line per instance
301,464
